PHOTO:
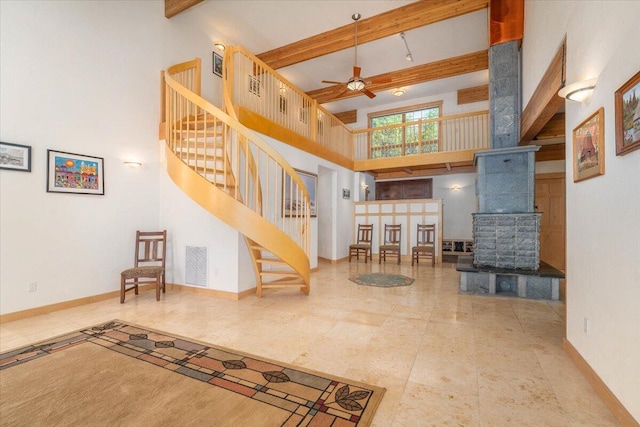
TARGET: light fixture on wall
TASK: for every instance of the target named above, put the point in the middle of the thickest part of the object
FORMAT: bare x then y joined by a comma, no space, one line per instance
398,92
133,163
219,46
408,56
365,187
455,188
579,91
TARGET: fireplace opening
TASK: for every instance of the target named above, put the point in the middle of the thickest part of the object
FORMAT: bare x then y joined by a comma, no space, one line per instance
507,284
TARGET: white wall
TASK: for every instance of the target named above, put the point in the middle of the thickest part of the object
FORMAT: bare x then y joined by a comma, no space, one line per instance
603,231
71,80
84,77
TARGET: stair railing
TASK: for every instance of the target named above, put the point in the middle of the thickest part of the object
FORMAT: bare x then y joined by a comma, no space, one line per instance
236,160
252,84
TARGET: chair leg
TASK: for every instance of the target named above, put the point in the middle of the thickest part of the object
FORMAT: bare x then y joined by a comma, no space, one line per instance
158,285
122,289
398,257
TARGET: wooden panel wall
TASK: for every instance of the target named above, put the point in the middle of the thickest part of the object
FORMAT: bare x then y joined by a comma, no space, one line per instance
408,213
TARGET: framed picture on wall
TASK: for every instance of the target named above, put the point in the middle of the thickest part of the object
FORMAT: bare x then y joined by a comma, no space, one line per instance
217,64
588,147
290,203
628,116
74,173
15,157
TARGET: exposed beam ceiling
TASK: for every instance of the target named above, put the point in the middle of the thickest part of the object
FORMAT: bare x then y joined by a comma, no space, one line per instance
463,64
395,21
174,7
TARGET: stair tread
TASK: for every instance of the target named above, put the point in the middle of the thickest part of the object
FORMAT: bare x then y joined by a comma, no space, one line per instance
280,273
272,261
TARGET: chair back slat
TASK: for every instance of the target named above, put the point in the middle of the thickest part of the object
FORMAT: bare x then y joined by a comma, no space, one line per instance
392,234
426,234
151,247
365,233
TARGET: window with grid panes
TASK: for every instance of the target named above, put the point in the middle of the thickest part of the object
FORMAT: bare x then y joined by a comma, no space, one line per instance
409,135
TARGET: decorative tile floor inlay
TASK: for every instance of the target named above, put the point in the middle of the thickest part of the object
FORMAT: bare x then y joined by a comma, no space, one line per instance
302,393
382,279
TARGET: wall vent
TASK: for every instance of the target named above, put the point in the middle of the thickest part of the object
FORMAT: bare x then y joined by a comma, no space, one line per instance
195,270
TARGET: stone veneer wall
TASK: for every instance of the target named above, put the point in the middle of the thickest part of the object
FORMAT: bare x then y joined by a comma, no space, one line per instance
507,240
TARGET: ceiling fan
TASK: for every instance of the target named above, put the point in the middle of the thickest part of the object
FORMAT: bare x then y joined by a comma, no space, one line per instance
355,83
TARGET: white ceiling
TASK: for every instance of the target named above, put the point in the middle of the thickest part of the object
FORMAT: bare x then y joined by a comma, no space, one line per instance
263,25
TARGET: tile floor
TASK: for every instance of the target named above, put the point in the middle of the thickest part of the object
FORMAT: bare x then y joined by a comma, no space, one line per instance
445,359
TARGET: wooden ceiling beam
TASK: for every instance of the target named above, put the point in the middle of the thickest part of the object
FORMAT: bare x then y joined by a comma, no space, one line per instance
455,66
395,21
174,7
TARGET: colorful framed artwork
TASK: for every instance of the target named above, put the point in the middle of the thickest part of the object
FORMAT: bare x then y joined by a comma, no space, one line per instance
217,64
628,116
588,147
74,173
15,157
310,181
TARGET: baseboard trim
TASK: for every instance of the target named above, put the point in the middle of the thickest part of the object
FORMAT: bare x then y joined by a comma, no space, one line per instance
46,309
332,261
610,400
213,292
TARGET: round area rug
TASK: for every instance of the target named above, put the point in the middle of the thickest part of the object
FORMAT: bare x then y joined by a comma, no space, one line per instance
382,280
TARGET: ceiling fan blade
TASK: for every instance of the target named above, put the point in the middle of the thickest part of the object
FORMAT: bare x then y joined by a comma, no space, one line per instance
368,93
333,83
356,71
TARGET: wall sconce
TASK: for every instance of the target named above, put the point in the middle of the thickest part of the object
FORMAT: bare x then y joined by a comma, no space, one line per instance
398,92
455,188
219,46
133,163
579,91
365,187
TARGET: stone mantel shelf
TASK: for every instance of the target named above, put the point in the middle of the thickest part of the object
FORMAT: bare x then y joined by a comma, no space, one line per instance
465,264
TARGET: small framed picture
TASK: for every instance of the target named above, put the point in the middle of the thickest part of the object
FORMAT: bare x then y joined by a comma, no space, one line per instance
254,85
15,157
346,193
217,64
588,147
291,206
74,173
628,116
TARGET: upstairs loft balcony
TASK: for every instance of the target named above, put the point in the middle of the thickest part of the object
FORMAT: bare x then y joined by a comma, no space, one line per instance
266,102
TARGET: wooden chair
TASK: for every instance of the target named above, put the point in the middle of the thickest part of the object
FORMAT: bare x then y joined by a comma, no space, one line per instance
392,236
363,242
426,245
151,251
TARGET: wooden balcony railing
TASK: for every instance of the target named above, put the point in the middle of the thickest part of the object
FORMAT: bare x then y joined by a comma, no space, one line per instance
252,85
449,133
257,87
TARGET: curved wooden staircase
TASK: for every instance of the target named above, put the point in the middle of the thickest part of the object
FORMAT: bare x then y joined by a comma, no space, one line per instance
231,172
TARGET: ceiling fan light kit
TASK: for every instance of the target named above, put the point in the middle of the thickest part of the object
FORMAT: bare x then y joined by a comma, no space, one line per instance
398,92
355,83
